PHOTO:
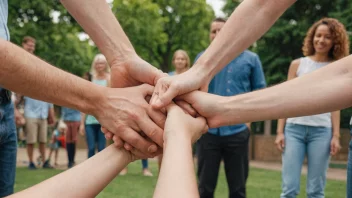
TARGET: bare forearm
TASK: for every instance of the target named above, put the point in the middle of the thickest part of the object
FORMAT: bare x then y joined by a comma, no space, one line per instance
84,180
281,125
335,120
176,178
26,74
97,19
250,20
324,90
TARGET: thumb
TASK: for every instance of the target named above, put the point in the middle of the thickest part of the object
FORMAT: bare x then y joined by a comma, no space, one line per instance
164,96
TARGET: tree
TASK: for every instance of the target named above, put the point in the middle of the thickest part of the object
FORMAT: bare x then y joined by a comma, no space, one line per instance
57,41
157,28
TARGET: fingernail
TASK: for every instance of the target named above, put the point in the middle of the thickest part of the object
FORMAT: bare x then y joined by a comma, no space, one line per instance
152,149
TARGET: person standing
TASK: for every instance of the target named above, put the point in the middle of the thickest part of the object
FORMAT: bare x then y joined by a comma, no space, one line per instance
228,143
317,136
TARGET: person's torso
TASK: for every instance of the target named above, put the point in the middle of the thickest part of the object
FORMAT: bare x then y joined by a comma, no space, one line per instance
4,32
234,79
89,118
70,114
36,108
306,66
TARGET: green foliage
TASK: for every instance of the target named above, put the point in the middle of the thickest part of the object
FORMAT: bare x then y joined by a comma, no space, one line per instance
57,42
157,28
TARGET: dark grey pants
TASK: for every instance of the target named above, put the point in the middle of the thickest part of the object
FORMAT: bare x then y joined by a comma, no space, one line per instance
233,150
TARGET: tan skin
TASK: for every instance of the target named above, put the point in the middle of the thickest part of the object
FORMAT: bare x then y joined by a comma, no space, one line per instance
322,43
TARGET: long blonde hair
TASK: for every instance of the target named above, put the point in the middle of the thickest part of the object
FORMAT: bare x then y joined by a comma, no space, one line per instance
99,57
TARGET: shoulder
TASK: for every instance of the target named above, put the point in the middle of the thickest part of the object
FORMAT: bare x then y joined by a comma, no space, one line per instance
248,53
295,63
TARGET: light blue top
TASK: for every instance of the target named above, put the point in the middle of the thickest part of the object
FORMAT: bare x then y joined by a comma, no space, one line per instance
4,31
36,108
91,119
241,75
72,115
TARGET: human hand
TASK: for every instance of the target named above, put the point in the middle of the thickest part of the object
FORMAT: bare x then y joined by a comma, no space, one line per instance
334,145
132,72
82,130
126,113
181,124
19,119
280,141
209,106
167,88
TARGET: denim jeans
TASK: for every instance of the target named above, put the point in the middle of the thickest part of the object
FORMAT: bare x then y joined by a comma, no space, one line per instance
144,163
301,140
349,170
8,149
94,137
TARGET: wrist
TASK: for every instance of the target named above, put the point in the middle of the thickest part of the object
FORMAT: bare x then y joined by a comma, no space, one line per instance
336,135
201,71
93,104
176,138
119,58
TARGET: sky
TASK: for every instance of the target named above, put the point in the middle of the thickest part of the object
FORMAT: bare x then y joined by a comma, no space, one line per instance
217,6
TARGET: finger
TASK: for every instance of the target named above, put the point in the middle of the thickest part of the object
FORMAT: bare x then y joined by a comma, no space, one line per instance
146,89
157,116
117,141
283,143
186,107
127,146
278,146
108,135
154,132
135,140
333,149
163,94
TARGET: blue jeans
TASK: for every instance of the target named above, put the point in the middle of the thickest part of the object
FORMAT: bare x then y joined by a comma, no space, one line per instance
8,149
145,163
94,137
299,141
349,171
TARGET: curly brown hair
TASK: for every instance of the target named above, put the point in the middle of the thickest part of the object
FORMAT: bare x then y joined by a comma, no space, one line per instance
340,39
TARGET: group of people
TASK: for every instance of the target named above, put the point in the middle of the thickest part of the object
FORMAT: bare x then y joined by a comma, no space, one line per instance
142,128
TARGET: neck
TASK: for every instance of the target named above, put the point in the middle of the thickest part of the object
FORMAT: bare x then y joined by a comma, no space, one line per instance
100,74
180,71
321,57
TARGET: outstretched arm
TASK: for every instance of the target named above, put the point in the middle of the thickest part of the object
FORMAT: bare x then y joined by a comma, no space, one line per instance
249,21
177,177
324,90
84,180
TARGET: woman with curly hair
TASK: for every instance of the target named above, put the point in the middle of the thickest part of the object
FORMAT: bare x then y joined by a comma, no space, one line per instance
317,135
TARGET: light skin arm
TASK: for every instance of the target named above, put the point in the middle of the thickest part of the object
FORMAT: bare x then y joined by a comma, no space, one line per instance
324,90
180,131
119,110
78,181
335,141
250,20
280,138
127,68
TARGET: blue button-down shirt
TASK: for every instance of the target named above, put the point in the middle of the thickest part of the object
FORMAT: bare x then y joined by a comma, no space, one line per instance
241,75
72,115
36,108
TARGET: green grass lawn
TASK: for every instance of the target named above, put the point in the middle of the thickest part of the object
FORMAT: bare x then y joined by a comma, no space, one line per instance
261,183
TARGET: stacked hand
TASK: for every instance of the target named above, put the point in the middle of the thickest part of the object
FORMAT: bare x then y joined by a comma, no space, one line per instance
138,126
